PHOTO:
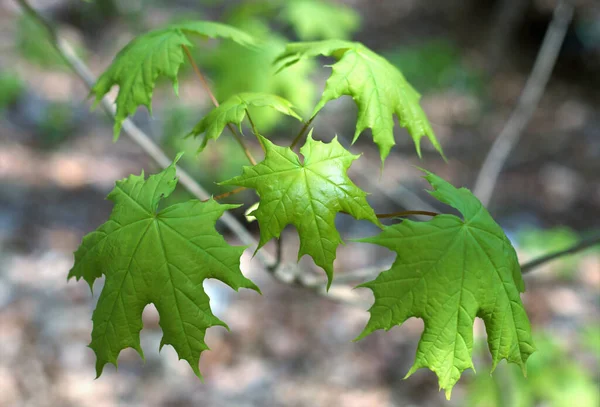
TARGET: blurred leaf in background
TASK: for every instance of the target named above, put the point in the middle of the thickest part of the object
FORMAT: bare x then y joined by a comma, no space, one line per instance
11,87
58,123
235,69
436,65
33,44
320,20
554,379
539,242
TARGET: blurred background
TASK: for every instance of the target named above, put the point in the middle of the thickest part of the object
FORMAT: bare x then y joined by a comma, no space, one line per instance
292,347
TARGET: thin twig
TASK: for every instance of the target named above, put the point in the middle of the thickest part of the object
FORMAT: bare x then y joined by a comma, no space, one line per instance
405,213
206,87
254,129
227,194
301,133
139,137
527,104
200,76
582,245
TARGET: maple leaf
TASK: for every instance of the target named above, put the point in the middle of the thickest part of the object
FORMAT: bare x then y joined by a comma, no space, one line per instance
447,272
138,65
156,257
307,195
313,19
378,88
233,110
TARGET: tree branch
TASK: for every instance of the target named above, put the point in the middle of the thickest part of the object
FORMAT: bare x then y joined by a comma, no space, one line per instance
528,102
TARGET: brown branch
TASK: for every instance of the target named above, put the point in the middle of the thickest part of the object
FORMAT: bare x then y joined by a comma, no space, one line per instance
405,213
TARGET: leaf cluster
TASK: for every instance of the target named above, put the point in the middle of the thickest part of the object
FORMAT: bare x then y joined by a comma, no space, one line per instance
448,270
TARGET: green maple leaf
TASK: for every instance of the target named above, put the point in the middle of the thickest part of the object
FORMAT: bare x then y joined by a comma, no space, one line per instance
378,88
307,195
137,67
314,19
447,272
233,110
156,257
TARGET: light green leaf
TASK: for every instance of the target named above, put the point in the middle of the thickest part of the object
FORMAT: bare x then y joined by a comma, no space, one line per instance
447,272
378,88
156,257
320,20
233,110
137,67
307,195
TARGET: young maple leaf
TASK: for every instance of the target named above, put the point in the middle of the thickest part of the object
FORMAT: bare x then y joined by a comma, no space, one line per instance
156,257
137,66
307,195
315,19
447,272
233,110
378,88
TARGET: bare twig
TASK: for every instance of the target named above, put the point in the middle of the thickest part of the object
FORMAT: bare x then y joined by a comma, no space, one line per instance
528,102
155,152
582,245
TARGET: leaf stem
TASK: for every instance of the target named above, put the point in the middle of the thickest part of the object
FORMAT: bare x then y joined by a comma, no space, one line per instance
215,102
254,129
226,194
301,133
405,213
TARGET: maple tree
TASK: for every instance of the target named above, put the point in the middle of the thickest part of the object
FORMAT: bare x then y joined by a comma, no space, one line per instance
448,270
